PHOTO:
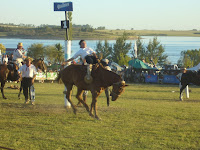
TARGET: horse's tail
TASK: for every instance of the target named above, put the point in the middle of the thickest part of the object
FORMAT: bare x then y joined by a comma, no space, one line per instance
59,78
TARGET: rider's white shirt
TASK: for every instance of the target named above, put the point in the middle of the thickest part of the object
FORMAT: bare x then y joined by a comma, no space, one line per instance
83,52
17,54
27,72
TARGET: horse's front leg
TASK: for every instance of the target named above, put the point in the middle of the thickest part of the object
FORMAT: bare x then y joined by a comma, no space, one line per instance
2,91
95,95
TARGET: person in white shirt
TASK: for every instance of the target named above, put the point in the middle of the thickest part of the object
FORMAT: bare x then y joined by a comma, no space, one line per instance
5,59
88,55
28,73
19,55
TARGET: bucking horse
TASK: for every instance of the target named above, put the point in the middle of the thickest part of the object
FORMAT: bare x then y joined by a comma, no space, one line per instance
102,78
8,72
187,78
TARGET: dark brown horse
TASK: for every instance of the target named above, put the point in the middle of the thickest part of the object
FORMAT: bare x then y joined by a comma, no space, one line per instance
102,78
8,72
187,78
39,64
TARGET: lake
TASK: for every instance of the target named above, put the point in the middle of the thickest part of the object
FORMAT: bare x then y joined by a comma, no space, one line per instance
173,45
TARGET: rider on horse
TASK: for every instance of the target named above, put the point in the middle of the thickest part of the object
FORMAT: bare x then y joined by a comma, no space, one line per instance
88,55
19,55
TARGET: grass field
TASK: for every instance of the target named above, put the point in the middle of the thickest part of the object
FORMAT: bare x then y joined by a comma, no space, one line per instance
146,116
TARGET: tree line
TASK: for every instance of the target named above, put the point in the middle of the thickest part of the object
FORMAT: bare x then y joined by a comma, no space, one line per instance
120,52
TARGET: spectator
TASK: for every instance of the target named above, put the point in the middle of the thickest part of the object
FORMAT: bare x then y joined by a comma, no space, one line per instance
28,74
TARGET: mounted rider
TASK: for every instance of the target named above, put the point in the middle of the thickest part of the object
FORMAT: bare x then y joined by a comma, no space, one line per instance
88,56
19,55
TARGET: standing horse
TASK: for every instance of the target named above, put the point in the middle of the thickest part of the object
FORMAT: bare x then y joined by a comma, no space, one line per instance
102,78
187,78
39,64
8,72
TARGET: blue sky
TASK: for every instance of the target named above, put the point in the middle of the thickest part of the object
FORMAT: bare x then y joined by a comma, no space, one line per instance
113,14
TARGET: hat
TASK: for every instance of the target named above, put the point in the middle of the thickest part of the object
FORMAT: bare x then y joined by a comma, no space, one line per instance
20,44
105,60
28,58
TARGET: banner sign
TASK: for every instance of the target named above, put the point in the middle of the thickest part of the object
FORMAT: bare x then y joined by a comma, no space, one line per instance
67,6
41,76
170,79
46,76
151,78
51,75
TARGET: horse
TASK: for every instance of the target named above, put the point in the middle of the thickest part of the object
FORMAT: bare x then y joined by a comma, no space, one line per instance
39,64
187,78
8,72
102,78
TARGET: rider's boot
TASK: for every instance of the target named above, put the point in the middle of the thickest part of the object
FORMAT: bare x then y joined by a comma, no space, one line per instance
89,69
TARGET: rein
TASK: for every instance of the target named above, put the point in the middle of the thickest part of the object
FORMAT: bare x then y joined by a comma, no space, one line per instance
114,93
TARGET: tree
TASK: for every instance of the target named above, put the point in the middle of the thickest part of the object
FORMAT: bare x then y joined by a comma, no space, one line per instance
155,52
54,53
152,53
59,55
2,48
120,50
189,58
103,51
36,51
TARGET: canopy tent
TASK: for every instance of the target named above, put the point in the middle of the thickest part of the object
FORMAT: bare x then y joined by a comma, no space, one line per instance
138,64
195,68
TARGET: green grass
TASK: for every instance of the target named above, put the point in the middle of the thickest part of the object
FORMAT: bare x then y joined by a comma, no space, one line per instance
146,116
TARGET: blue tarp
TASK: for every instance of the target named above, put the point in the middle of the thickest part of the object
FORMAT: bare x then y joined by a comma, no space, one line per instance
170,79
151,78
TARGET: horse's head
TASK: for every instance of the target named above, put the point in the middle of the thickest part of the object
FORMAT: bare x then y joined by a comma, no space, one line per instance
117,90
13,72
40,64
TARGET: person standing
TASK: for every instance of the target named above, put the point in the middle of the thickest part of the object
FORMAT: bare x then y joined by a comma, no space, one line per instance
179,78
28,73
19,55
5,59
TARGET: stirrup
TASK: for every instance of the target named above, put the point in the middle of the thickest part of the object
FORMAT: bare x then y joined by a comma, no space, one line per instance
88,79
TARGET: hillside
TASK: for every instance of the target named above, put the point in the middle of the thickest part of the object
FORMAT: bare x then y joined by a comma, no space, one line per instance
82,32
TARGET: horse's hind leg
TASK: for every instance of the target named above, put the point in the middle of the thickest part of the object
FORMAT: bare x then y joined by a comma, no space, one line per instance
79,97
20,90
68,97
2,92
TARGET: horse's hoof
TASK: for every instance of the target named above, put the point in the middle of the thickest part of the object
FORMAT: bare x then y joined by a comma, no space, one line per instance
4,98
98,118
91,115
74,112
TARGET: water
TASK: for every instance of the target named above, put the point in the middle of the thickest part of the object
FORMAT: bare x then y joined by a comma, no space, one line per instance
173,45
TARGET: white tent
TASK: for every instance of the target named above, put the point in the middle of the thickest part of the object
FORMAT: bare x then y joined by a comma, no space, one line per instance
195,68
